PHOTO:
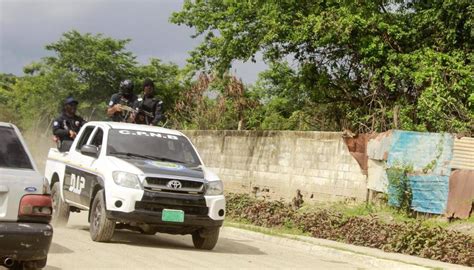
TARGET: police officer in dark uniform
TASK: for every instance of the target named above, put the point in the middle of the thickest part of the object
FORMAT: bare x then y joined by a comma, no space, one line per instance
150,109
125,97
67,125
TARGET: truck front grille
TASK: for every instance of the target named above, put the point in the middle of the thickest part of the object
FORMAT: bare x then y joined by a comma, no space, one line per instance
162,184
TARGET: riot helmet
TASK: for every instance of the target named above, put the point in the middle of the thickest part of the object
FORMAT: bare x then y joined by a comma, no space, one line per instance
126,87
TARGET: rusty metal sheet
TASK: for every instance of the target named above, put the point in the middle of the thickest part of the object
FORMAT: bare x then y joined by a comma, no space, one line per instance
379,146
461,194
463,154
357,146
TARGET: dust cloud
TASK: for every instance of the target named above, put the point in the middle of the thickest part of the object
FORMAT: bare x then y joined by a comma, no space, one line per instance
39,144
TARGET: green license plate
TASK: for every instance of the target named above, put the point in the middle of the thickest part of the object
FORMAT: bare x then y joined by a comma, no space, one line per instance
172,215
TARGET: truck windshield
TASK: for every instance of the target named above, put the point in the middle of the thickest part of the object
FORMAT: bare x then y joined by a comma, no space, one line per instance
12,153
151,145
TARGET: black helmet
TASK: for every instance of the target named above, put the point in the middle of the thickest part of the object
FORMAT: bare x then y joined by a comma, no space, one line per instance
126,87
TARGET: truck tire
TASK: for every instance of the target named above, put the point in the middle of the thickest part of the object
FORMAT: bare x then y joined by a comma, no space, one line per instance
101,228
207,242
60,208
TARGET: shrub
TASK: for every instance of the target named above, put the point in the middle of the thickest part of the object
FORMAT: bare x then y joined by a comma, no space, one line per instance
408,237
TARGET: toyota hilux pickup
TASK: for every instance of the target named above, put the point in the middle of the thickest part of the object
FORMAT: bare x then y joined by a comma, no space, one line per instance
25,205
137,177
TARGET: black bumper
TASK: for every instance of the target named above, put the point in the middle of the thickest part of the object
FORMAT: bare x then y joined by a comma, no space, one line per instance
25,241
149,209
154,218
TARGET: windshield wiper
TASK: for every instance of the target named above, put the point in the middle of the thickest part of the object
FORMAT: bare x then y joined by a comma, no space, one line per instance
134,155
146,156
169,159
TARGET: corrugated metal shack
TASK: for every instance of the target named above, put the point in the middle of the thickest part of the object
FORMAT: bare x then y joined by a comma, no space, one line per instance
427,160
461,181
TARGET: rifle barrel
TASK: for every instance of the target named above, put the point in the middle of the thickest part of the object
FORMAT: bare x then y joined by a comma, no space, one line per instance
130,109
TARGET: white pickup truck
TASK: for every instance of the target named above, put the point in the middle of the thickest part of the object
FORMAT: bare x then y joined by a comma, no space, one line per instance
137,177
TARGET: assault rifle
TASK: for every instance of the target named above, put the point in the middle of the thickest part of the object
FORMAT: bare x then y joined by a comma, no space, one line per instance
134,111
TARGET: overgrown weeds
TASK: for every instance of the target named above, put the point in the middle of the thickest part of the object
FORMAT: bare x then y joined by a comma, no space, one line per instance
400,187
411,237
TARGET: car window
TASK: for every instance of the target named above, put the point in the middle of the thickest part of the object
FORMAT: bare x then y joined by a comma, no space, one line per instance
98,138
84,137
12,153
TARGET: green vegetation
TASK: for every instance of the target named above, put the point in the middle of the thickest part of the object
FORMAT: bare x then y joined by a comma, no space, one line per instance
400,187
371,226
361,65
371,65
364,66
89,67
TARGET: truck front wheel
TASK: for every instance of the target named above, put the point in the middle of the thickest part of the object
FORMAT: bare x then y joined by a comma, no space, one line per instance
101,228
60,208
207,241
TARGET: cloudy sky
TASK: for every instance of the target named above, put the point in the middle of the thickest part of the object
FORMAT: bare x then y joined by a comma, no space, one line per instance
26,26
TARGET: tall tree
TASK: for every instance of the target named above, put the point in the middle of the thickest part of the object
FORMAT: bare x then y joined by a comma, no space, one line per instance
7,81
99,62
89,67
373,64
168,78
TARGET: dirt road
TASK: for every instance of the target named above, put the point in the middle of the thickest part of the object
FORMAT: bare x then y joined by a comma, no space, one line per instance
72,248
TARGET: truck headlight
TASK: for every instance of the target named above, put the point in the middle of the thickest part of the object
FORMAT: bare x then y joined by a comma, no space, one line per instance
126,179
214,188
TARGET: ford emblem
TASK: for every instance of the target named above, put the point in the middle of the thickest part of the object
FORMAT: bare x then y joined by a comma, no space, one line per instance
30,189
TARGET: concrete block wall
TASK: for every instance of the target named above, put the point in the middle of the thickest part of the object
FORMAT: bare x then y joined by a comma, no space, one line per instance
277,163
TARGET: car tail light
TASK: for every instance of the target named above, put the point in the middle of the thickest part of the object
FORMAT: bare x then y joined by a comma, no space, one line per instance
35,208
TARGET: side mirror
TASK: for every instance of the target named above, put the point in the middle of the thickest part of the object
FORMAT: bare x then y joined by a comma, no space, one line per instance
90,150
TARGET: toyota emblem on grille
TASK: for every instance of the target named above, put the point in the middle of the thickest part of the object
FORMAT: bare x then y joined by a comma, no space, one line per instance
174,184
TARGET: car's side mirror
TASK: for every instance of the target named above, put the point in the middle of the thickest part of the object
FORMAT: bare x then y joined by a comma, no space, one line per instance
90,150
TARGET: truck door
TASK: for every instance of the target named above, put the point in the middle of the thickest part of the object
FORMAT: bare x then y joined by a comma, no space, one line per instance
74,180
83,177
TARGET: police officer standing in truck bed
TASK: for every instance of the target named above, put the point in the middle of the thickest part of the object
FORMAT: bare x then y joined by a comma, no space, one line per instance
124,97
150,109
67,125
